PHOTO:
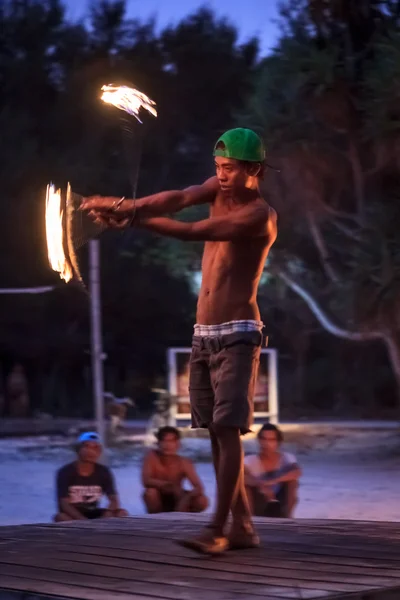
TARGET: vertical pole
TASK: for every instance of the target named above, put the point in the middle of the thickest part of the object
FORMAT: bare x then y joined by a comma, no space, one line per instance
273,407
172,388
96,337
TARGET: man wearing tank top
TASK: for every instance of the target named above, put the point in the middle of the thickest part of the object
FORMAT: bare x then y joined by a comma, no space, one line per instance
272,476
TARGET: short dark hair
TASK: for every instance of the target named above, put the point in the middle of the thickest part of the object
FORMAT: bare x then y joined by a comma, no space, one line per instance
247,165
270,427
167,430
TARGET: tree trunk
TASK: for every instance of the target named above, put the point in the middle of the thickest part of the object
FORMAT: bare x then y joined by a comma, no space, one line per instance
301,346
393,347
391,340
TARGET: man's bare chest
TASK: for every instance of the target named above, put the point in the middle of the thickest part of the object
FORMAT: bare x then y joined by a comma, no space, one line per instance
169,470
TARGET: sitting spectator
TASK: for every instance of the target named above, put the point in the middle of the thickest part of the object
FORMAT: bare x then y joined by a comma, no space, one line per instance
82,483
163,476
271,476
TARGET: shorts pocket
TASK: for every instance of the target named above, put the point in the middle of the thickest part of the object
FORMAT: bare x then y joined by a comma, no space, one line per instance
199,373
245,350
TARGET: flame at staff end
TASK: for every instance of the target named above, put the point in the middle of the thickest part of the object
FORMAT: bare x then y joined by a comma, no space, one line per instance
128,99
55,234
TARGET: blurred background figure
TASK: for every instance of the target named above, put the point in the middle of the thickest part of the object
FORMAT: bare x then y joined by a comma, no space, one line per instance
117,409
163,410
272,476
17,392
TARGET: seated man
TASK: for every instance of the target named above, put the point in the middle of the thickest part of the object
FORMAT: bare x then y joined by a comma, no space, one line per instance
271,476
82,483
164,473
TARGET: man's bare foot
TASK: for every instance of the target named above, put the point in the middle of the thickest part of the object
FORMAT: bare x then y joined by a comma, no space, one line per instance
243,537
207,542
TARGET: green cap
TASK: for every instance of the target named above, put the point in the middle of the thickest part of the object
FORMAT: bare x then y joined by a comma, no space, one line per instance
242,144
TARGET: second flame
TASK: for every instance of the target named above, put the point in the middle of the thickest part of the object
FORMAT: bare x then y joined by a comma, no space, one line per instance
55,234
128,99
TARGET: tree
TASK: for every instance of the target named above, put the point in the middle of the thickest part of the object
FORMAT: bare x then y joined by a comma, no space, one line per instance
54,128
327,100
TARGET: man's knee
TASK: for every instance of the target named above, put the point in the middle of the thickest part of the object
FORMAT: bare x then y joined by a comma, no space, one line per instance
199,503
257,503
60,517
289,498
152,500
223,432
292,492
118,513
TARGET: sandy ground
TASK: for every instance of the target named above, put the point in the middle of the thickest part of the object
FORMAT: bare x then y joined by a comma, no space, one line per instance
354,481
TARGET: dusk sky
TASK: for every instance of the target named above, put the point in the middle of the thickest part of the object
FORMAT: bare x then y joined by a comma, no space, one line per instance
252,17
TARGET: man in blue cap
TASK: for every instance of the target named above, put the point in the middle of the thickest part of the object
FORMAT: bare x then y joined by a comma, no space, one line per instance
238,235
82,484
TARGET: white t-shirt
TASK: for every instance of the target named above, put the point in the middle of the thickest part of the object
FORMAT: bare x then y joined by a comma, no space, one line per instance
256,468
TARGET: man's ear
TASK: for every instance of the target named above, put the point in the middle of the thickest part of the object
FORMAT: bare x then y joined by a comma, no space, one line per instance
253,173
253,169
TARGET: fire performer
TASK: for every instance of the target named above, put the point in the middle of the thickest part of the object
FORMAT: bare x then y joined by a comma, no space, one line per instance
228,336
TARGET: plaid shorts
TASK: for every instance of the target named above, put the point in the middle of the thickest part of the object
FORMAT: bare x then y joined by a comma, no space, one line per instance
223,372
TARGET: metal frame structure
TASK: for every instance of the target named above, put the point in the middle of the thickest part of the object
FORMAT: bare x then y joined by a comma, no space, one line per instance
272,414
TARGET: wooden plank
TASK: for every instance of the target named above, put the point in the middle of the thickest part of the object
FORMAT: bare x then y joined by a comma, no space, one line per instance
138,575
262,574
253,558
112,585
164,520
316,545
270,526
201,518
43,590
245,582
272,551
257,563
137,557
225,563
21,589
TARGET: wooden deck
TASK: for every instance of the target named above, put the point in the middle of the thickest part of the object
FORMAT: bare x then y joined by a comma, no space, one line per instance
137,558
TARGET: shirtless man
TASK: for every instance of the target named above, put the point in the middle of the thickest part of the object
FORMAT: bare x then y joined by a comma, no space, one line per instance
227,337
164,473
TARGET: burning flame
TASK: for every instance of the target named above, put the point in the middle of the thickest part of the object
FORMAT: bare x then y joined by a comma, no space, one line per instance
55,234
128,99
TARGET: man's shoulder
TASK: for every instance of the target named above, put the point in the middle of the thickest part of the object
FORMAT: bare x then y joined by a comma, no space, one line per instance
184,461
67,469
152,455
273,215
101,470
251,459
289,458
212,183
260,214
265,209
205,193
212,187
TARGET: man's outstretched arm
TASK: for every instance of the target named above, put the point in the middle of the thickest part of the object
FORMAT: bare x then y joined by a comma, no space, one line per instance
156,204
254,221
